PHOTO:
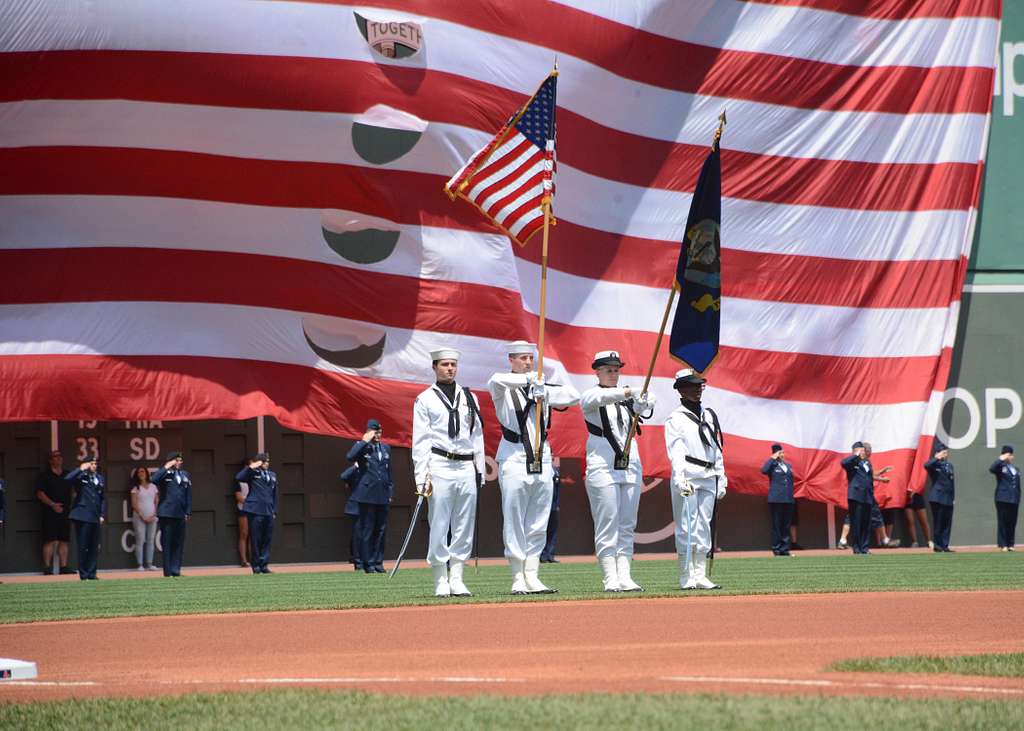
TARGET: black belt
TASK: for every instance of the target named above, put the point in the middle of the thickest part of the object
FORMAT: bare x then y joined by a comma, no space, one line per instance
703,463
510,436
451,455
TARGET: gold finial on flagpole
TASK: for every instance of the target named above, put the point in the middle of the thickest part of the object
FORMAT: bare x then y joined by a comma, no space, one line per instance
718,132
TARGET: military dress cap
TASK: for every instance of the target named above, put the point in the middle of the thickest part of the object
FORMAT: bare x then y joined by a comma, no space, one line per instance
173,455
776,448
938,447
857,445
261,457
373,424
521,347
444,354
607,357
688,376
1007,449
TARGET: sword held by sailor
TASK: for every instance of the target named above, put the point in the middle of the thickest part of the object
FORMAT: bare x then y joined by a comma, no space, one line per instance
422,491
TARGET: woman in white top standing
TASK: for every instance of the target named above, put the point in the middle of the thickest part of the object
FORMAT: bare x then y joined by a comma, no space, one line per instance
145,497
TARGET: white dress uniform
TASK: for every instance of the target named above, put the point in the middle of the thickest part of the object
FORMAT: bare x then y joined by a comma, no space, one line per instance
693,441
448,445
614,494
525,497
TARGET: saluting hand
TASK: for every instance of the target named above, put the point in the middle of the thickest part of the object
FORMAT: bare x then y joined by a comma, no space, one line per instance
168,465
255,464
368,436
57,507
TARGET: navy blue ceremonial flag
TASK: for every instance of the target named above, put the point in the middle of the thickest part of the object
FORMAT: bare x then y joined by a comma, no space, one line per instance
696,326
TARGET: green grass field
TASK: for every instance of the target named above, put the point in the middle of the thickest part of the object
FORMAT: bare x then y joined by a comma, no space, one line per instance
303,709
345,590
1009,665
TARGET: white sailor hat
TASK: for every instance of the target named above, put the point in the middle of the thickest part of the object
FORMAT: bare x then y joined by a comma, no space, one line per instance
606,357
688,375
520,347
444,354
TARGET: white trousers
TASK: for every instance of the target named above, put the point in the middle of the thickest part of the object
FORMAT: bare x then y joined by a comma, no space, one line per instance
702,504
145,536
525,506
614,507
451,506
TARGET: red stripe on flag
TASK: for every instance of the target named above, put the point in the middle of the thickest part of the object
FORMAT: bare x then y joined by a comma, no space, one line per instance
341,86
97,275
901,9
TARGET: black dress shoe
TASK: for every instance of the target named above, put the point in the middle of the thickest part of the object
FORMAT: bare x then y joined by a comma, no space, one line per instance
936,550
267,571
948,550
545,560
379,570
794,546
67,571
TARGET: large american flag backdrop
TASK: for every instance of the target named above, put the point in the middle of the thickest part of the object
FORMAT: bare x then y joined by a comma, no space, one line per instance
221,208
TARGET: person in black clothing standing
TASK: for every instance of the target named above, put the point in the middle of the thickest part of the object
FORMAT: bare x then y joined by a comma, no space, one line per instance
88,513
860,495
173,510
54,493
941,497
780,498
1007,497
261,508
551,543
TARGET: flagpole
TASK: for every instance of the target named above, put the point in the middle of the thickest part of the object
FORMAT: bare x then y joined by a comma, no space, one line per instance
634,421
539,408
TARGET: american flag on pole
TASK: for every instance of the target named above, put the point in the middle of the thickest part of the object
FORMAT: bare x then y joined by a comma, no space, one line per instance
513,176
223,208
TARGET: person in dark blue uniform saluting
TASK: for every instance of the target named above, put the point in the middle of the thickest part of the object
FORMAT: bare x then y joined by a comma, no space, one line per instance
174,510
941,497
88,513
1007,497
860,495
261,508
372,491
780,498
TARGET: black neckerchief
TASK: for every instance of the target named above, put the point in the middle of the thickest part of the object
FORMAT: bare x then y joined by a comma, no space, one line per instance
448,389
693,406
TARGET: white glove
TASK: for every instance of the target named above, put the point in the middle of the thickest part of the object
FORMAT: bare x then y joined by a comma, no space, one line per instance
683,485
531,377
538,391
721,491
645,402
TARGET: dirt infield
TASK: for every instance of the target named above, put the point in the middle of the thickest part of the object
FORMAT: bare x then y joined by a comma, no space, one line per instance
769,644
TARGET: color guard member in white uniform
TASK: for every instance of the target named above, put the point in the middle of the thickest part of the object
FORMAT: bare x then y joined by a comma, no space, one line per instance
613,485
693,440
448,454
525,490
